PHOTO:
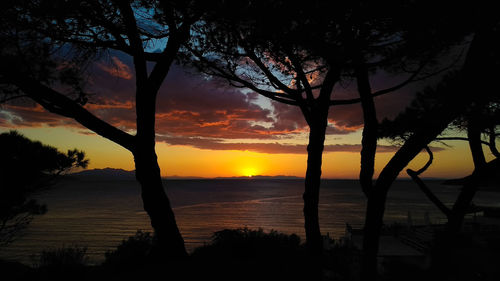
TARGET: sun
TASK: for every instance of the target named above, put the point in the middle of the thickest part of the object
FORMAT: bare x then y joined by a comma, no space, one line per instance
249,171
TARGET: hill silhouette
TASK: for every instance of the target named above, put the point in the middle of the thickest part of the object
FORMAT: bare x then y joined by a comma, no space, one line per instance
120,174
104,174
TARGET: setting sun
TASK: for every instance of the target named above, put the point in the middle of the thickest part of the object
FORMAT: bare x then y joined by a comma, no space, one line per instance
249,171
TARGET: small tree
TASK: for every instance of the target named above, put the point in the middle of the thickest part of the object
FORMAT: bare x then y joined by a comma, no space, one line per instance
26,168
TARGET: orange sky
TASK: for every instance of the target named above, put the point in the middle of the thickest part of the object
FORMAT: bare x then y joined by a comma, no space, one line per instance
206,130
188,161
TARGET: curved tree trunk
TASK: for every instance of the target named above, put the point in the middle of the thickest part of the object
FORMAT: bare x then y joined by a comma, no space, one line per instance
312,184
377,197
169,242
460,96
157,205
469,189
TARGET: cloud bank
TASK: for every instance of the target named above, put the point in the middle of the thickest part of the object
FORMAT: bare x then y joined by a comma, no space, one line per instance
195,111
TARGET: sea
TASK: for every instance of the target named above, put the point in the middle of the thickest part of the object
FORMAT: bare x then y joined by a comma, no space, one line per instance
100,214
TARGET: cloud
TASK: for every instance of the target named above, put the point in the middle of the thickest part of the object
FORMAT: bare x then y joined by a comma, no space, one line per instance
350,117
199,112
271,148
117,68
29,114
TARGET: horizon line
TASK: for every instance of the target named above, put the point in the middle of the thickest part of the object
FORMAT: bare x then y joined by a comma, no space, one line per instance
247,177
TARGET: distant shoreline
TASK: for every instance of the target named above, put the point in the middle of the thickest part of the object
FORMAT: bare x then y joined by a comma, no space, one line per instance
120,174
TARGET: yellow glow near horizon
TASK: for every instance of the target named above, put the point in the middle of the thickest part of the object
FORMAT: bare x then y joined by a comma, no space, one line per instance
249,171
187,161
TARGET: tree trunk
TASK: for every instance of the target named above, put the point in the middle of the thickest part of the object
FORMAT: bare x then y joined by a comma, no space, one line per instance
312,183
375,209
469,189
376,201
476,68
369,138
169,243
377,196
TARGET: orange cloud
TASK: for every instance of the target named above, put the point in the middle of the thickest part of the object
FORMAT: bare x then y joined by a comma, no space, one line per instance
110,104
30,115
270,148
191,108
117,69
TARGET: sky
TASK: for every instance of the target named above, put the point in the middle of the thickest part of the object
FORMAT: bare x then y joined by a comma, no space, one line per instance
208,129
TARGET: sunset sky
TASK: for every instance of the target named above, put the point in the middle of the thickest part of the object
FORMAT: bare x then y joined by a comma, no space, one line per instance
206,129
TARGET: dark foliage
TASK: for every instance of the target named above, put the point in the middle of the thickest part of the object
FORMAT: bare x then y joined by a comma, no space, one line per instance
245,254
426,102
131,252
247,244
437,98
63,257
28,167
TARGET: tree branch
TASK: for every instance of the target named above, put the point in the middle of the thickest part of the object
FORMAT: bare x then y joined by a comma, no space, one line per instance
272,78
429,162
153,57
440,205
166,58
414,175
135,41
332,76
377,93
58,103
302,77
219,72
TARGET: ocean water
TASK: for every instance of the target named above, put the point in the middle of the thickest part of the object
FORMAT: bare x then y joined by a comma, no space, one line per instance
100,214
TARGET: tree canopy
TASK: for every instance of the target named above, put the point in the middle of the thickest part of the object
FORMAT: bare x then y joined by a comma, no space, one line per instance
47,46
26,168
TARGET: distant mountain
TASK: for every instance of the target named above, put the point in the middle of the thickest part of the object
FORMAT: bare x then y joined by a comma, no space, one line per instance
104,174
120,174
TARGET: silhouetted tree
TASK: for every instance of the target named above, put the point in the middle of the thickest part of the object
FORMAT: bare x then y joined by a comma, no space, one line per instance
484,173
475,121
481,117
296,56
26,168
471,85
34,36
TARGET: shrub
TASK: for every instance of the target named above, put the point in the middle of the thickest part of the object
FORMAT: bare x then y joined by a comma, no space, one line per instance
132,251
72,256
245,243
245,254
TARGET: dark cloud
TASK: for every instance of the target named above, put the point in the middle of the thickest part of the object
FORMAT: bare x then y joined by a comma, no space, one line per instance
199,112
28,114
272,148
350,117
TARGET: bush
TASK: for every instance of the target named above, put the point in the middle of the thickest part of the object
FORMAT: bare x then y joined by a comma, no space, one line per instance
244,243
131,252
73,256
243,254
